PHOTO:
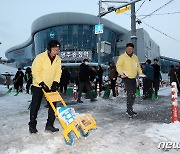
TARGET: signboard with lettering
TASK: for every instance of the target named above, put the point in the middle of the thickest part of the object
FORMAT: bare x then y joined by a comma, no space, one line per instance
124,9
75,55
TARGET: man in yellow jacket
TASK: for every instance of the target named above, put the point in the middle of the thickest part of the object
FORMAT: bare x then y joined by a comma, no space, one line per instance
128,67
46,72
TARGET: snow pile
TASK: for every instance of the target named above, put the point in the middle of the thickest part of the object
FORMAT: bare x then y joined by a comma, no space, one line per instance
164,91
4,69
164,132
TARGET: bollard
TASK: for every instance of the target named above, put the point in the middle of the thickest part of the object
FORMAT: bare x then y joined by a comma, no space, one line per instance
75,92
117,93
98,90
174,102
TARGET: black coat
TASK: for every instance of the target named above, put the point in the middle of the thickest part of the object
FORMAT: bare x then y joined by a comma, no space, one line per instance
84,73
18,79
65,77
157,75
172,74
92,75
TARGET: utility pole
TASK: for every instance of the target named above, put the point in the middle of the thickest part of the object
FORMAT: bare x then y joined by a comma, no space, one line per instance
133,27
133,18
99,35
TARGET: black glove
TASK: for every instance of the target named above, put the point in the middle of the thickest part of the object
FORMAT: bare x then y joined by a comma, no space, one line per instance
54,86
44,86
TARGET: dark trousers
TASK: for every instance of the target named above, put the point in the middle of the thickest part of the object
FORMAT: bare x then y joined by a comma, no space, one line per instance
156,86
87,86
27,87
147,91
18,87
37,95
63,86
113,85
130,85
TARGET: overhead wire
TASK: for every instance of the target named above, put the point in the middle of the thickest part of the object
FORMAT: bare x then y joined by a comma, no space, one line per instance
170,13
140,6
161,32
157,9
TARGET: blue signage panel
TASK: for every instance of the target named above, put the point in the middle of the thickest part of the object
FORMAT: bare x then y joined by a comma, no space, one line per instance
98,28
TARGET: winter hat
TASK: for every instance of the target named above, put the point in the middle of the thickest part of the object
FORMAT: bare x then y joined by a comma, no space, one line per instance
53,44
85,60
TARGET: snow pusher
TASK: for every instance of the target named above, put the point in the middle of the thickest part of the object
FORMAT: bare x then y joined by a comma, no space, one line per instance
79,125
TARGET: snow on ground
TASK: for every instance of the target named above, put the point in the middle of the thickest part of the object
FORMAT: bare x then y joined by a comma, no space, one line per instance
116,133
165,132
164,91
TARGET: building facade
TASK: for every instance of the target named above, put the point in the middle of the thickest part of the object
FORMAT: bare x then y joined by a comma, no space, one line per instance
166,63
76,33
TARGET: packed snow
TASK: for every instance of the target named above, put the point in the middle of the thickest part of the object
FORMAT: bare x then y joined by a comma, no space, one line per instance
116,133
164,132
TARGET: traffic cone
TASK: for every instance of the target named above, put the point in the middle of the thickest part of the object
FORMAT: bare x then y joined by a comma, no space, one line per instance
175,116
98,90
75,92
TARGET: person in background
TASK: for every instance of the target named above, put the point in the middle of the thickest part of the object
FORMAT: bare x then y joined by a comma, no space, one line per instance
8,80
148,70
28,79
92,73
157,76
65,78
178,78
84,80
113,77
128,67
18,80
46,72
172,74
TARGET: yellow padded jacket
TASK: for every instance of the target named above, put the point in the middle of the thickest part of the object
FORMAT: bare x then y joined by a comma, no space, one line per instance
43,70
128,64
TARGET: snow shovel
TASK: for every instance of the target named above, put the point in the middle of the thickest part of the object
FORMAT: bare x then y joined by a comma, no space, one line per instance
17,93
106,93
69,91
153,95
137,91
94,94
71,125
9,90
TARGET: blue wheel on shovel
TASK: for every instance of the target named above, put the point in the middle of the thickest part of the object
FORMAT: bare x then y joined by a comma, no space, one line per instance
70,143
84,134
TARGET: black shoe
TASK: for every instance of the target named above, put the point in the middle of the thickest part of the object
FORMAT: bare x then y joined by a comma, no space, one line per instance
134,113
33,130
93,100
79,101
129,113
51,128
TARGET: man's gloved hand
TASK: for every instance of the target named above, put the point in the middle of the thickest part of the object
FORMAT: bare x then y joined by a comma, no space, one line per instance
44,86
54,86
